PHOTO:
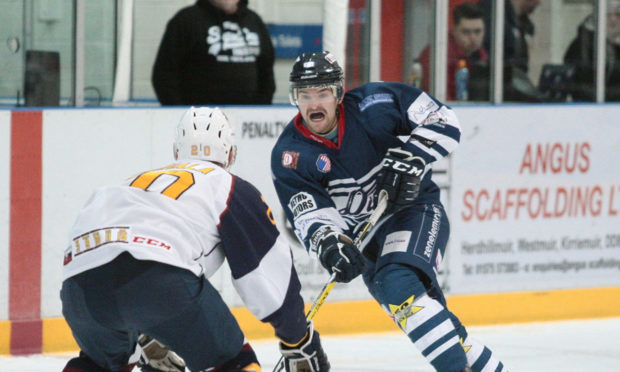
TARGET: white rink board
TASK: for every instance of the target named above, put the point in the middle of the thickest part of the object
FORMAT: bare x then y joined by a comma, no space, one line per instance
536,199
86,148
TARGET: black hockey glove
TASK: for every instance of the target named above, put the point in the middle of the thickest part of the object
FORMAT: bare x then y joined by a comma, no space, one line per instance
338,254
400,176
156,357
307,355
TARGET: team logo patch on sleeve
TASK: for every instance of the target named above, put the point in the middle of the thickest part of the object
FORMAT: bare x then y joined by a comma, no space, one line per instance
323,163
436,117
421,108
301,203
289,159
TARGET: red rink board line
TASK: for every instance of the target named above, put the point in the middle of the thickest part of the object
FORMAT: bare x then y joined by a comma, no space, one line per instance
25,232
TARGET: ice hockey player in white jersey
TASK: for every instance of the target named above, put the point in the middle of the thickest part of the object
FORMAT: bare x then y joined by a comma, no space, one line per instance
141,253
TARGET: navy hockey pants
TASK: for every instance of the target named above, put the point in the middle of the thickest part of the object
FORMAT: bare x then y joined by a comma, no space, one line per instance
408,249
109,306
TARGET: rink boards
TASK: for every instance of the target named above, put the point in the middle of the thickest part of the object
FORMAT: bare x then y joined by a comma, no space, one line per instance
532,192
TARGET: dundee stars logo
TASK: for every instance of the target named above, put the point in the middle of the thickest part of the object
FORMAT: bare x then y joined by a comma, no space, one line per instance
401,312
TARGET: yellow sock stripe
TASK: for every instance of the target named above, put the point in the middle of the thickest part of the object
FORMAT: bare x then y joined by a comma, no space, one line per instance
368,317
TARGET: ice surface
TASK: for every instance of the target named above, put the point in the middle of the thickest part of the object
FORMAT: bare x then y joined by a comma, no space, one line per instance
585,345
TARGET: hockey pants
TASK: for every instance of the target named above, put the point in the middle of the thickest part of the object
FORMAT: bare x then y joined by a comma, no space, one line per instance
108,306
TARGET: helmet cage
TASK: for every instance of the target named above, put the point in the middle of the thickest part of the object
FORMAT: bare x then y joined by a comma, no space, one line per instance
336,89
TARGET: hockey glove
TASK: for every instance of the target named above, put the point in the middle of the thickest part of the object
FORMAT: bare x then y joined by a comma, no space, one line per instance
307,355
156,357
400,177
338,254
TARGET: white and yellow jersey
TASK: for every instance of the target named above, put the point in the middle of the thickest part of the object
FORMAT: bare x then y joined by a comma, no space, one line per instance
193,214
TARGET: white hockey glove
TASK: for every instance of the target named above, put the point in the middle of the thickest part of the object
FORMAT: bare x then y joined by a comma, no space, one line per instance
307,355
400,176
156,357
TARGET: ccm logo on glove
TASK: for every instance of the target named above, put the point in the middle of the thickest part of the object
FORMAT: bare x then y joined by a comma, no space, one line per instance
401,167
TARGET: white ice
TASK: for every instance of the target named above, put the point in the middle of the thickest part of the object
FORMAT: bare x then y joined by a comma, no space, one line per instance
585,345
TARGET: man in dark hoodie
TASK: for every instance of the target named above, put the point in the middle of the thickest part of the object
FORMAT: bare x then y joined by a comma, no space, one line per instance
517,24
215,52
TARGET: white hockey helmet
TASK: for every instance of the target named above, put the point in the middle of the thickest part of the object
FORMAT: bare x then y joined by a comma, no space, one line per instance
204,133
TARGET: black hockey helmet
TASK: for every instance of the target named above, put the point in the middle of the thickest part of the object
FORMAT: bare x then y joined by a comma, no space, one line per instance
316,70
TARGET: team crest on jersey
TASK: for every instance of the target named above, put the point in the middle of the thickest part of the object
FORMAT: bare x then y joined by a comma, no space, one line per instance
323,163
289,159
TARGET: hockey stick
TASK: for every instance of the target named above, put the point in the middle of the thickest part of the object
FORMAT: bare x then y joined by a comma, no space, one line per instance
361,235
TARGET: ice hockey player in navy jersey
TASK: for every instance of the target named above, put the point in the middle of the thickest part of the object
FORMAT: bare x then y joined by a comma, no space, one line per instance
141,252
329,164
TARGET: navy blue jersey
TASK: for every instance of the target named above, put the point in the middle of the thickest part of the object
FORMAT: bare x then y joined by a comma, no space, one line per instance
320,182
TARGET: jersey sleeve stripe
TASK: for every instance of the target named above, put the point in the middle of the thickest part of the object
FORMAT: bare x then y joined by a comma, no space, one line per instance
428,154
232,187
288,321
246,230
264,288
439,132
271,293
441,147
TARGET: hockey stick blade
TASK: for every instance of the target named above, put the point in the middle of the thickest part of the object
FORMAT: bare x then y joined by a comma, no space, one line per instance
364,230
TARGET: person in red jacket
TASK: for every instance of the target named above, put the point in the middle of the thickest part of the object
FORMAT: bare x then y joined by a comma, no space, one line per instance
464,43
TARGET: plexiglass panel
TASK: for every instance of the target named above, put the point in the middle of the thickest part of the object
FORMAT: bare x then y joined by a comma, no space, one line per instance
11,52
358,44
51,46
100,51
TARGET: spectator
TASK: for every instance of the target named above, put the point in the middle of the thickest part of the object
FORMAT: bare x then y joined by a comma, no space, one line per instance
581,51
464,43
517,24
215,52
